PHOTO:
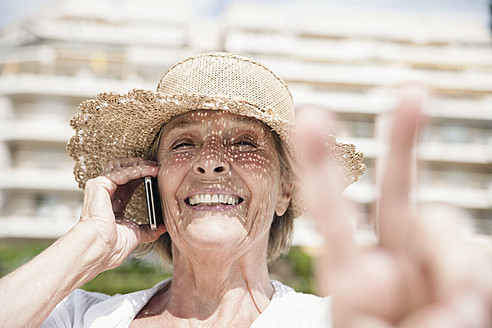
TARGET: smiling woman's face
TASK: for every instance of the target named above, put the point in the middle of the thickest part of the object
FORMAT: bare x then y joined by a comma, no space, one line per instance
220,181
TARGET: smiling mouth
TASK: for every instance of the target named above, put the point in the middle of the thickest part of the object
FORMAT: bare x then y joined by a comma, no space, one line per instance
213,199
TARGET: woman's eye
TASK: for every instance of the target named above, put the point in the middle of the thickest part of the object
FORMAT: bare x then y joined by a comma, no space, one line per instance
244,145
184,145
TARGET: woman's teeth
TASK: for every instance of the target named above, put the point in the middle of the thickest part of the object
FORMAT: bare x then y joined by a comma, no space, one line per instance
215,199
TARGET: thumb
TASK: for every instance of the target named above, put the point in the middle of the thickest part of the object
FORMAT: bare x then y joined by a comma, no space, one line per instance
147,235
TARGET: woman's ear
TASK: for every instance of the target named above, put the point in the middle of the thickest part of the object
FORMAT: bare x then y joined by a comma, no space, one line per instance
284,199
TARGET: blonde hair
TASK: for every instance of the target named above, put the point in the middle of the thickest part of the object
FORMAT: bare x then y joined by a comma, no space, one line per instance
280,235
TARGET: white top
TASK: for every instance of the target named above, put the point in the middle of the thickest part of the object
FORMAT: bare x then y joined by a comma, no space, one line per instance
287,308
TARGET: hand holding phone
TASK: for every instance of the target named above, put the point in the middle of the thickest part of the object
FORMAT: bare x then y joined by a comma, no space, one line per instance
153,200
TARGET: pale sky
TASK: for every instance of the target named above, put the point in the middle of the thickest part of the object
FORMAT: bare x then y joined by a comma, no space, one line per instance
11,10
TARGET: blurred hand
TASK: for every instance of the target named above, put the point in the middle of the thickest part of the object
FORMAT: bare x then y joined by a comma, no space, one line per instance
105,200
421,273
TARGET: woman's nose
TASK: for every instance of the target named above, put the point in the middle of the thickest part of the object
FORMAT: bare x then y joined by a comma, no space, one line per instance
211,162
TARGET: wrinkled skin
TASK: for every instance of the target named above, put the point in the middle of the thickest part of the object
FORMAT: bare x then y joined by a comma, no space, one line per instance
215,152
219,243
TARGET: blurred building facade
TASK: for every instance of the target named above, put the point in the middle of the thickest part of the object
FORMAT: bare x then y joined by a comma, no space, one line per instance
76,49
49,63
348,60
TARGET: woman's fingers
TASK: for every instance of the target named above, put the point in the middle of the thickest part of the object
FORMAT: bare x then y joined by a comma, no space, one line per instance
127,174
394,208
432,241
126,170
106,196
118,163
321,190
97,197
105,201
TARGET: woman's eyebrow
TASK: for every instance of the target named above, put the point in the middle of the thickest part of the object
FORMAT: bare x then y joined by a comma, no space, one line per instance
186,123
244,119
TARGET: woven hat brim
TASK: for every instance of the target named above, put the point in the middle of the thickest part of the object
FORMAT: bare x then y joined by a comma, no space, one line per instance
117,125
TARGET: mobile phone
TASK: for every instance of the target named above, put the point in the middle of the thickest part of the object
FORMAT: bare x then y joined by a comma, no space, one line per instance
153,200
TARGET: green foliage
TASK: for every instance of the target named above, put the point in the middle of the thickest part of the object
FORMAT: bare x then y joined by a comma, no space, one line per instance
14,253
303,266
133,275
302,261
294,269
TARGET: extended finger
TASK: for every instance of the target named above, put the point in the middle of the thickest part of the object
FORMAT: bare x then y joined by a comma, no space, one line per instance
321,182
321,190
394,208
118,163
126,174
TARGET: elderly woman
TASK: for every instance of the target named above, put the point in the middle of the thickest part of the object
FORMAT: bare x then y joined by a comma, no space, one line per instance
218,136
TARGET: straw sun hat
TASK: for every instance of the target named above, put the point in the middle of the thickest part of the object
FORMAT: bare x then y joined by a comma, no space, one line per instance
125,125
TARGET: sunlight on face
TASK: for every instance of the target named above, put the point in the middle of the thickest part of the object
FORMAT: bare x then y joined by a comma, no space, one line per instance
220,180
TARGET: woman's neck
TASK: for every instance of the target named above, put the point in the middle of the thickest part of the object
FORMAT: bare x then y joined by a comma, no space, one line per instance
210,284
214,292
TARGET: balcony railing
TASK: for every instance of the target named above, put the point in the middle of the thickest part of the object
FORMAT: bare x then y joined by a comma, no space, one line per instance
33,227
356,50
36,179
72,86
35,130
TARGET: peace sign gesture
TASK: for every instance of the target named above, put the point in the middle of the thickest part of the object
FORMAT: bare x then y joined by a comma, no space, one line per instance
422,273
